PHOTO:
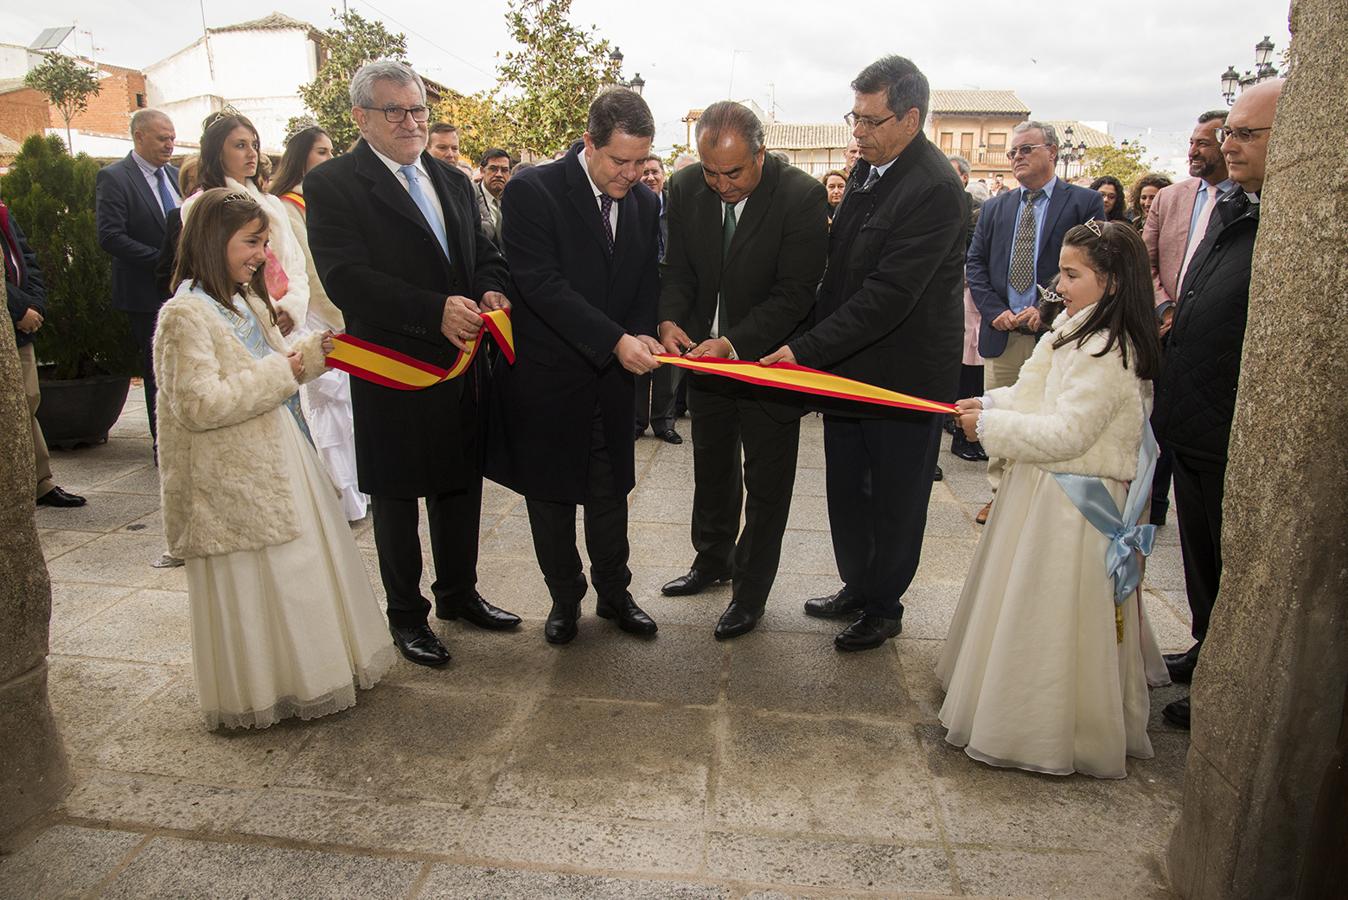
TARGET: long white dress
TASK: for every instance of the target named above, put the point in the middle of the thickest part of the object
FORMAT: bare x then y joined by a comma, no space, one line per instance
1035,674
292,629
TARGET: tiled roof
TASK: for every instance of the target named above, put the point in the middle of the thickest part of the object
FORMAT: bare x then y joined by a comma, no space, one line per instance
973,102
788,136
9,146
274,22
1093,137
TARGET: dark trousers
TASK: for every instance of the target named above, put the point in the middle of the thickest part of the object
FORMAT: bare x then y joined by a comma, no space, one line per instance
454,519
655,399
142,332
1198,500
878,479
971,385
553,525
726,420
1160,482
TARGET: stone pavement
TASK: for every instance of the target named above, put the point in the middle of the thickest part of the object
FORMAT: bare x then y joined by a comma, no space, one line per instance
768,766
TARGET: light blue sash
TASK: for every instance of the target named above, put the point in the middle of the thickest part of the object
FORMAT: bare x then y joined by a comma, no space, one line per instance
249,332
1126,538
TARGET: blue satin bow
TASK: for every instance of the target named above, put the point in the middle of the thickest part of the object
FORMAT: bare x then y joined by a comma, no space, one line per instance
1126,538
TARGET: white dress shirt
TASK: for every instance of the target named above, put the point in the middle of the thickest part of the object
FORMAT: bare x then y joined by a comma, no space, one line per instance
147,172
423,178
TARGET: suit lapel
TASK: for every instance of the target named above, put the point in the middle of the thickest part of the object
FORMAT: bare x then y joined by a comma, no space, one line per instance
140,186
1007,226
1056,204
460,249
385,188
629,229
755,211
582,197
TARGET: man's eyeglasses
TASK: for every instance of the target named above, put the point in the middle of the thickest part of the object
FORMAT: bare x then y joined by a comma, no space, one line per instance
395,115
1023,150
1241,135
868,123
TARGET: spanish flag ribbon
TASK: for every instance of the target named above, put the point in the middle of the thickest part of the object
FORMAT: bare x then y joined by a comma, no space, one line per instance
804,380
295,199
392,369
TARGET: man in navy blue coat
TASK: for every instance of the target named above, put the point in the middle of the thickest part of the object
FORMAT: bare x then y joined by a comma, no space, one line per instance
1015,249
133,196
582,237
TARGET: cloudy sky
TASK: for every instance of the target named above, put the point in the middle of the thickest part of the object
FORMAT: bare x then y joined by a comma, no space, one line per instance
1145,67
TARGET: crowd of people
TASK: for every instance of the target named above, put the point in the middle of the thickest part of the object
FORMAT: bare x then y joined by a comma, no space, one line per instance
1056,327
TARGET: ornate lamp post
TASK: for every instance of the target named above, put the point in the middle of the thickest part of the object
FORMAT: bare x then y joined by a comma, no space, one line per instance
636,84
1263,71
1068,154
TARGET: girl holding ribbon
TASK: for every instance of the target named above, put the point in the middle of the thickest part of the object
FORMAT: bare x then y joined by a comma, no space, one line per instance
1049,655
284,622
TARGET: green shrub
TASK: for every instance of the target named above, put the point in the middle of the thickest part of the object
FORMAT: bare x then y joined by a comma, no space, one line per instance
51,195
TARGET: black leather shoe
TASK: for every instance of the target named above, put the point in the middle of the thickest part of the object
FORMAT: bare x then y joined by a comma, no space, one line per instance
419,644
1181,666
479,612
738,619
867,633
60,498
561,625
842,605
638,432
670,436
1177,713
970,451
694,582
628,615
938,475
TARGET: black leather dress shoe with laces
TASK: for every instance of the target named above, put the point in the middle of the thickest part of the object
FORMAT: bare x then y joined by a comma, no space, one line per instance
867,633
61,498
419,644
628,615
696,581
738,619
842,605
479,612
561,626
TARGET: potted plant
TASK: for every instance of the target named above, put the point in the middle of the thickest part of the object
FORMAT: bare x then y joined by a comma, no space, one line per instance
85,353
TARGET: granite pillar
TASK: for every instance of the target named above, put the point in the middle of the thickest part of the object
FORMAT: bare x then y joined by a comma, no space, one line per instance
1268,695
33,769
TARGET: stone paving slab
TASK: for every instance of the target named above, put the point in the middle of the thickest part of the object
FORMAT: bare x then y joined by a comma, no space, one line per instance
770,766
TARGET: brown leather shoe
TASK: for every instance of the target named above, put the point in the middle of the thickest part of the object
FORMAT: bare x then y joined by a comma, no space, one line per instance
982,517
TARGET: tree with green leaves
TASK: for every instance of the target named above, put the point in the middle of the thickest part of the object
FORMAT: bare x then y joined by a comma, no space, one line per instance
545,86
1125,163
354,42
68,84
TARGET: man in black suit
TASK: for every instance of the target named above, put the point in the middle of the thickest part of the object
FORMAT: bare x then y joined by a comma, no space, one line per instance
748,241
1015,248
400,249
890,312
582,238
132,197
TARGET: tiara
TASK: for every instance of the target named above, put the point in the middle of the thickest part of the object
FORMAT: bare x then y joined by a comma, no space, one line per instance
236,197
1095,227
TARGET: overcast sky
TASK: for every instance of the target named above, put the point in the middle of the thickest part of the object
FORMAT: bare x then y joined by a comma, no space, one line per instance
1139,66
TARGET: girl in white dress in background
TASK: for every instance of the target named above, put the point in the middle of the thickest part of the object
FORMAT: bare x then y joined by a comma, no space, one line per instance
327,399
1042,670
284,622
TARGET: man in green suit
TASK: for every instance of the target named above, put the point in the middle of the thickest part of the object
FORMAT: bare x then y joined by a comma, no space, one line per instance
748,239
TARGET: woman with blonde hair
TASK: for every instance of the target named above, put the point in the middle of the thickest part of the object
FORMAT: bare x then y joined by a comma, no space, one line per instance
284,622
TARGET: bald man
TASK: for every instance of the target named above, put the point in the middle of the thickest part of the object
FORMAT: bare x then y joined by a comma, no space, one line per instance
133,196
1196,394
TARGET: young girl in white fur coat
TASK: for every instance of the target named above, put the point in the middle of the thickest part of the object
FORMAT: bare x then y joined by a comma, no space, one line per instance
284,622
1038,672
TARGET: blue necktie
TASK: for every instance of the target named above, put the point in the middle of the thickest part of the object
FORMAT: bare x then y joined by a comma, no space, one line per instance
166,198
1199,202
424,204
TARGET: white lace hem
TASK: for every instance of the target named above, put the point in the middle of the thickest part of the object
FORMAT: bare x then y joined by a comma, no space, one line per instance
334,701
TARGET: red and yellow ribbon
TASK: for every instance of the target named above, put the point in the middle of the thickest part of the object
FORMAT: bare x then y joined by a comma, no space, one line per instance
392,369
295,199
804,380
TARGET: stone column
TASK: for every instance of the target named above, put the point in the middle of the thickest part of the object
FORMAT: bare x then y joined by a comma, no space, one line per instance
1268,696
33,770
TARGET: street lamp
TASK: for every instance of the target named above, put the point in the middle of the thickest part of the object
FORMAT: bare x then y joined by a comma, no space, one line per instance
636,84
1263,71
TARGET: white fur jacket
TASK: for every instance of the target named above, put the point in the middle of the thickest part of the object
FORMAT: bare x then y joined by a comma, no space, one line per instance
1069,411
283,243
223,484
